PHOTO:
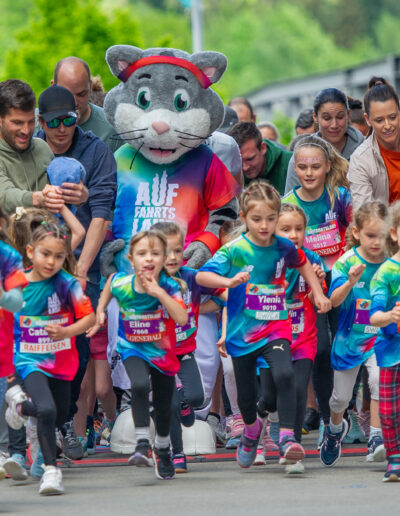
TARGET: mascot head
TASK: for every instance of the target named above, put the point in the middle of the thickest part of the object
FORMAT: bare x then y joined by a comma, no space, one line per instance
164,106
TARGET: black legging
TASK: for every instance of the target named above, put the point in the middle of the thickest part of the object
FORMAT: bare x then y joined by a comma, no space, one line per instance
277,354
193,395
302,371
162,386
50,405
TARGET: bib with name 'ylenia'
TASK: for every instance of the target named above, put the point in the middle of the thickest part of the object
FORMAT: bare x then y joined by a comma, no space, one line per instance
265,302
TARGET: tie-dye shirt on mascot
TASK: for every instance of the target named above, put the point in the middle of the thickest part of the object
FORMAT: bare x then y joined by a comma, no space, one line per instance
145,329
326,227
355,337
11,276
385,293
302,312
184,192
257,310
57,300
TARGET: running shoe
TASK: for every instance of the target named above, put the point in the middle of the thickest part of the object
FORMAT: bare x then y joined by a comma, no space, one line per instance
3,457
214,421
295,469
364,422
51,481
163,465
143,455
106,429
247,450
14,396
355,434
260,457
321,434
72,447
331,448
311,420
393,470
83,442
179,462
236,432
290,451
15,467
376,449
90,436
37,466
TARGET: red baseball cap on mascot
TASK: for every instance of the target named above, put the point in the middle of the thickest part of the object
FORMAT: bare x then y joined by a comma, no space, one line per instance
177,61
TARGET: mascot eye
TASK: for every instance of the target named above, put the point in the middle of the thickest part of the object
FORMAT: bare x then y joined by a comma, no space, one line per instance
181,100
143,98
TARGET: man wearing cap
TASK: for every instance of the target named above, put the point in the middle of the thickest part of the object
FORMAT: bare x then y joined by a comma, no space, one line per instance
57,118
23,159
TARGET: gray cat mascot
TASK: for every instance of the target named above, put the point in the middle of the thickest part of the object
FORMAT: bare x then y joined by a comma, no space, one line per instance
164,109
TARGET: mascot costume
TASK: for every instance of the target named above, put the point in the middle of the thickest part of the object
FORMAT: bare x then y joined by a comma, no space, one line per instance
164,110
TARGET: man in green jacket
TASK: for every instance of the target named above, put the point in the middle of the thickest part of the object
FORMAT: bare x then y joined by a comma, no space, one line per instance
23,159
261,158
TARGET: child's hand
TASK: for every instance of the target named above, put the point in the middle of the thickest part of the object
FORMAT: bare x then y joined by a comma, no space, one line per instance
355,273
221,347
240,277
101,318
395,313
57,332
319,272
149,284
73,193
322,303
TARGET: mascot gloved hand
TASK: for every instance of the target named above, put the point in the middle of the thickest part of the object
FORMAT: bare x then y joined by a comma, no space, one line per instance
164,109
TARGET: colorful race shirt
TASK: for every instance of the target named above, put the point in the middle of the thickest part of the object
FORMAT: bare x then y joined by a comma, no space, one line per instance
57,300
183,192
326,226
145,328
257,310
355,337
186,335
11,276
385,293
302,312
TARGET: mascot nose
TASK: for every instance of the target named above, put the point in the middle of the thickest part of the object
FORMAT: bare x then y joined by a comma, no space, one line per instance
160,127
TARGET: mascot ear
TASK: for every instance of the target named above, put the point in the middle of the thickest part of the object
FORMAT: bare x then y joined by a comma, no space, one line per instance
119,57
212,64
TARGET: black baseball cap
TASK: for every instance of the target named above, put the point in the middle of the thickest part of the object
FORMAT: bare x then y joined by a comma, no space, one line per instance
56,101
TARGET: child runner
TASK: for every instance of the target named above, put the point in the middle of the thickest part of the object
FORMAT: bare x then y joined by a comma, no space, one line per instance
292,225
253,267
354,340
55,311
385,313
190,393
324,197
12,279
150,304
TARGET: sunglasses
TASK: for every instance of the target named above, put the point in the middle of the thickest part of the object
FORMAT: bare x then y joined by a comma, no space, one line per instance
68,122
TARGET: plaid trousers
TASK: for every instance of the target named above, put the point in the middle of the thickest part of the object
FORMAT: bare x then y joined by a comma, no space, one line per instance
389,408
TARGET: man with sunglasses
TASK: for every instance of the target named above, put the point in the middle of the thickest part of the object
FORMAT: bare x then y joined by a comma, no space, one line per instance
57,119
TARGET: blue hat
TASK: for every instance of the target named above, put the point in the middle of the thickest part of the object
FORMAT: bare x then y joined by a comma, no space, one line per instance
65,170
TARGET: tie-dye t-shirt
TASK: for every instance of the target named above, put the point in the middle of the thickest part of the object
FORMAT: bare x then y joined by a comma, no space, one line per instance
145,328
302,312
257,310
186,335
354,340
183,192
326,227
11,276
57,300
385,293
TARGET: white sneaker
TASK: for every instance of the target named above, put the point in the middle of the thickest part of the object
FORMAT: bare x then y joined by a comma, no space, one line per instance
15,467
51,481
13,397
295,469
3,457
260,457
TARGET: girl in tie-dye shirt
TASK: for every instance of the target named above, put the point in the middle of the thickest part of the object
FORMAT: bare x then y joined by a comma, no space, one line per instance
150,303
253,267
326,200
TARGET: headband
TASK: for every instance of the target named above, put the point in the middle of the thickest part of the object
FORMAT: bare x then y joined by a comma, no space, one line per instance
176,61
308,144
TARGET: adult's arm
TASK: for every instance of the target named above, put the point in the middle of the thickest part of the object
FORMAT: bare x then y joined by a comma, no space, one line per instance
11,196
291,179
360,182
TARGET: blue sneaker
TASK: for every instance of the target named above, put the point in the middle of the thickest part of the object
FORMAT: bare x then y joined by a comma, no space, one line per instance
274,431
331,448
247,450
393,470
355,434
321,434
15,467
376,449
290,451
37,470
91,436
179,462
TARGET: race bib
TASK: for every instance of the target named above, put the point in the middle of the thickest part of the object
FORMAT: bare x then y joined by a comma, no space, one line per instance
361,323
265,302
143,326
324,239
296,312
184,332
35,339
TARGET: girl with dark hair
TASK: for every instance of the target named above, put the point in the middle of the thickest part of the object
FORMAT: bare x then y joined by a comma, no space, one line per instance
331,116
374,172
